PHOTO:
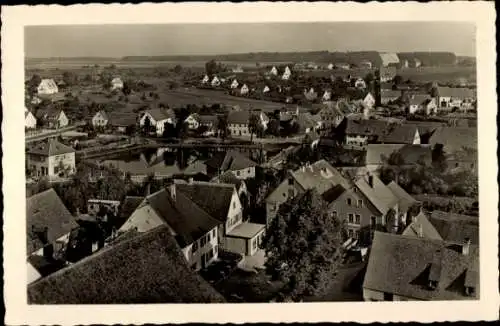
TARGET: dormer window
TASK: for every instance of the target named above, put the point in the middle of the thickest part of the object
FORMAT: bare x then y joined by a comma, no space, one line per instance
349,201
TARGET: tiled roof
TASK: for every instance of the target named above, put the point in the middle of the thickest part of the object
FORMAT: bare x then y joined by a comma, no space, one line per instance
187,220
454,138
121,119
379,194
421,227
228,177
419,99
208,119
50,148
320,176
155,271
366,127
400,134
246,230
458,92
48,113
456,227
305,120
405,200
129,205
411,154
404,265
103,114
232,160
161,114
46,210
214,198
238,117
389,93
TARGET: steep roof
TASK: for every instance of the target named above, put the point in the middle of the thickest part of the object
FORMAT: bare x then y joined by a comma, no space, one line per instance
320,176
454,138
228,177
214,198
157,272
404,265
48,113
103,114
207,119
305,120
366,127
389,93
400,134
46,210
418,99
405,200
232,160
411,153
161,114
239,117
50,83
456,227
129,205
187,220
50,148
379,194
388,58
421,224
458,92
122,119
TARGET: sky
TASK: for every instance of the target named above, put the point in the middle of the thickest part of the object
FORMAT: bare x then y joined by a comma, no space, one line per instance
198,39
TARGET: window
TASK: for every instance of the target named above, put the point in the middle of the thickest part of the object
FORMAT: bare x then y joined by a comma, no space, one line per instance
195,246
373,221
350,233
358,219
203,241
356,234
234,205
349,201
351,218
214,233
360,203
238,173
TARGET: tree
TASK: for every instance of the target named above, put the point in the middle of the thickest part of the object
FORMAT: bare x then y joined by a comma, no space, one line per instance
253,125
178,69
397,80
303,246
434,92
126,88
273,128
69,78
211,67
222,126
439,158
147,125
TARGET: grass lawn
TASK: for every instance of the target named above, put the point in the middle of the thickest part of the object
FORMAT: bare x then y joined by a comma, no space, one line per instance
244,286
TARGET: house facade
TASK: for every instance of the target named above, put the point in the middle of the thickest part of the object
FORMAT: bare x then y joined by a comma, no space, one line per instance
116,83
29,120
273,71
157,119
234,84
360,83
238,122
51,159
100,119
244,89
460,97
369,100
52,119
286,74
215,81
47,87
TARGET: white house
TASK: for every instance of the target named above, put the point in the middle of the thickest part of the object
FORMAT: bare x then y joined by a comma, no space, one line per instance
205,80
29,119
193,121
238,122
47,87
51,159
330,66
215,81
52,118
327,95
274,71
287,74
234,84
100,119
266,89
369,100
157,119
455,97
244,90
116,83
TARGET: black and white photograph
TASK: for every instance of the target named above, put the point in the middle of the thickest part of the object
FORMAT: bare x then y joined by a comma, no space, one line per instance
253,162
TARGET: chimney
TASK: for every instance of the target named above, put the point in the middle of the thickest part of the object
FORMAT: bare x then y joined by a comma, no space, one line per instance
370,180
172,191
466,247
420,231
148,189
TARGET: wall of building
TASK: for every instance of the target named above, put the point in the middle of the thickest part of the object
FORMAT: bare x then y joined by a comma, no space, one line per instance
235,213
238,245
195,258
371,295
38,164
356,140
99,121
237,129
67,160
245,173
63,120
30,121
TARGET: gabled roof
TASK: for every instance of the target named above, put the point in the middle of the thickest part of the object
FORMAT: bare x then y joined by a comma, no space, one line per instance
50,83
404,265
458,92
185,218
366,127
400,134
161,114
46,210
389,93
228,177
103,114
232,160
48,113
320,176
207,119
454,138
155,272
214,198
239,117
421,227
411,154
50,148
419,99
305,120
129,205
456,227
121,119
405,200
379,194
388,58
